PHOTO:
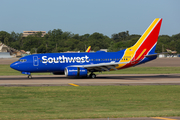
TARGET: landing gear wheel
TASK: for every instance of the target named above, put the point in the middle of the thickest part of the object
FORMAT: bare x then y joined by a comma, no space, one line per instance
29,76
92,75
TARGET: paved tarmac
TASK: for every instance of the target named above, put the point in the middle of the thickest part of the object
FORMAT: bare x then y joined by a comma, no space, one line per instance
115,79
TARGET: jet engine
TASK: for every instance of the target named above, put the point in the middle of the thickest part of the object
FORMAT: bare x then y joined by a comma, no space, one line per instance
75,71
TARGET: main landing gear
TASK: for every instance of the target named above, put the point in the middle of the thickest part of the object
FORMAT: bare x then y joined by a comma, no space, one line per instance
29,76
92,75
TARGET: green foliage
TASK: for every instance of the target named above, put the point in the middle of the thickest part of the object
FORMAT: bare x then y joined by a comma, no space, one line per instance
58,41
167,42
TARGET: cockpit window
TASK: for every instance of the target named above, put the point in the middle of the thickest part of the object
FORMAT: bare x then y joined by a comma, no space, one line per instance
22,60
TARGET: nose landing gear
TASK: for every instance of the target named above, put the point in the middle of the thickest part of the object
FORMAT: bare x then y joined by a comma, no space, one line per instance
27,73
29,76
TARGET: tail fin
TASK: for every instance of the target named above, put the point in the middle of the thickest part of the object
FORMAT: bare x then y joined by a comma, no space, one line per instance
145,46
147,43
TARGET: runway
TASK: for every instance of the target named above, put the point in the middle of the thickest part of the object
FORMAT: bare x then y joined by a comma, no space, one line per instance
115,79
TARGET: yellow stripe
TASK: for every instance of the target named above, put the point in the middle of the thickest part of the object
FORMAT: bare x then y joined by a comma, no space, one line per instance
163,118
73,84
141,54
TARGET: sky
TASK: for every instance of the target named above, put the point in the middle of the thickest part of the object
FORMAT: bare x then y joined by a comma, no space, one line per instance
89,16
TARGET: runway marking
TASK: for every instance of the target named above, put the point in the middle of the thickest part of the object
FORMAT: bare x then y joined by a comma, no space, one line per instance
73,84
163,118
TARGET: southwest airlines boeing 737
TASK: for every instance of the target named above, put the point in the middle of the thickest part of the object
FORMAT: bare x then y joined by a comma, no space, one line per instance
80,64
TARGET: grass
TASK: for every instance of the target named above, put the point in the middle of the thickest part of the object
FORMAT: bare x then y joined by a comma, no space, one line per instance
6,70
68,102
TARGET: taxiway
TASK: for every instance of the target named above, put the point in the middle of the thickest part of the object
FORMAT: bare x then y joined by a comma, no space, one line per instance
115,79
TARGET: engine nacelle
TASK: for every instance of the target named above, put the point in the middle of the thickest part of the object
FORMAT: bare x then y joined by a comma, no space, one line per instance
75,71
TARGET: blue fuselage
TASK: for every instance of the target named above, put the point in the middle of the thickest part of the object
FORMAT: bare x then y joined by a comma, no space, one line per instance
53,62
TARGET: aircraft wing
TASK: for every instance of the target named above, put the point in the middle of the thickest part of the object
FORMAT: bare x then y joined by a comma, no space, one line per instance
100,66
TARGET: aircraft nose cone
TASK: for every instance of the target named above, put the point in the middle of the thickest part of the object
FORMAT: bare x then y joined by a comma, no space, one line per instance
13,66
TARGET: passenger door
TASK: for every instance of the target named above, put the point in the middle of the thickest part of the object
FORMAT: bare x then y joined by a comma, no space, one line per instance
35,61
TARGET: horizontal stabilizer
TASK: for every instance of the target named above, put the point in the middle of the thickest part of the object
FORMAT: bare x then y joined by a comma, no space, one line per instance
156,54
151,55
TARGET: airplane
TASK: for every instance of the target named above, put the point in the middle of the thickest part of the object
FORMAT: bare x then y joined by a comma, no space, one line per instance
170,52
82,64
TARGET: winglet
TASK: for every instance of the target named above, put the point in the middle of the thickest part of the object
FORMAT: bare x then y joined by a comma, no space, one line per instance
89,49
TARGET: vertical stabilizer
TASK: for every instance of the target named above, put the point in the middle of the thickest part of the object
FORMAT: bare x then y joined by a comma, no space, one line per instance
149,39
147,42
145,45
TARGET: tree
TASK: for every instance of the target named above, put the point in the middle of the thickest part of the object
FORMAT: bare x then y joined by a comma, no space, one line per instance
4,37
121,36
58,41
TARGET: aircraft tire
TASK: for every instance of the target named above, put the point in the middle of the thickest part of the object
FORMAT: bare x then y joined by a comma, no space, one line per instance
93,76
29,76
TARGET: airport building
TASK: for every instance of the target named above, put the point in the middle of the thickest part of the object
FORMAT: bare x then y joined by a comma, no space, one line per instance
26,33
